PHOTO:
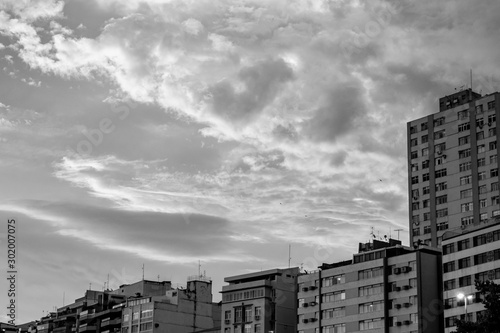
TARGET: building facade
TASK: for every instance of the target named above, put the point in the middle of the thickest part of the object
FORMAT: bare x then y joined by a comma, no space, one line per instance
452,166
385,288
260,302
473,254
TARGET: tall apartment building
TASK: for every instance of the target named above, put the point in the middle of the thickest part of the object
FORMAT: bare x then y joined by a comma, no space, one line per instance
260,302
385,288
473,254
452,166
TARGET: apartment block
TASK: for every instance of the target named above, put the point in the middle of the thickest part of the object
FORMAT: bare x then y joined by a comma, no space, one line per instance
468,255
452,166
177,310
386,287
260,302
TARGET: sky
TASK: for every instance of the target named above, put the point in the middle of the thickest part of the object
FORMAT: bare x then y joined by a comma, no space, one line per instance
174,134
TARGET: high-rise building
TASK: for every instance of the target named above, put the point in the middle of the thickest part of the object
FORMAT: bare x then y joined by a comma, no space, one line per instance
261,302
452,166
385,288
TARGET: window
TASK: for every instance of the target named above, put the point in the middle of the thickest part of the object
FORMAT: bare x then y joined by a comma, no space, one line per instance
333,280
481,149
492,131
425,152
441,186
440,160
464,166
466,193
463,263
481,162
494,173
442,226
427,229
415,219
248,328
466,207
493,159
479,135
493,145
463,114
370,324
480,122
248,312
427,216
482,189
449,285
423,126
371,290
440,173
416,232
413,142
338,328
425,177
227,315
237,314
482,203
463,180
450,321
481,175
494,187
491,105
465,281
495,200
135,316
449,266
463,244
333,297
483,217
370,273
442,212
135,329
467,220
414,318
464,153
258,328
441,199
425,164
479,108
491,118
126,317
449,248
414,180
425,203
414,167
414,154
146,326
425,138
438,121
463,127
333,313
370,307
413,129
439,134
440,148
426,190
464,140
146,314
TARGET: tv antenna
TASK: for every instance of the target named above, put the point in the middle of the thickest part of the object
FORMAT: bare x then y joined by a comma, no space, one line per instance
398,230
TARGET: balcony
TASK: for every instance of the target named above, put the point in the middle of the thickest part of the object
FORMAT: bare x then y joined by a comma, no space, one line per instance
86,328
111,322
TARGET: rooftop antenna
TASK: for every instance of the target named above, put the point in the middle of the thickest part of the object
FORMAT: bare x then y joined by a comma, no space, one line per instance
143,271
470,92
289,254
158,277
398,230
108,282
90,286
199,267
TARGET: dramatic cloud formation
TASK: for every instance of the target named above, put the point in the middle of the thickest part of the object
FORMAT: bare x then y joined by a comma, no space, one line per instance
169,132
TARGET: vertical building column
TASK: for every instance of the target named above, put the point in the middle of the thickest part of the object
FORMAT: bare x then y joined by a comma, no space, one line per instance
473,158
410,197
432,181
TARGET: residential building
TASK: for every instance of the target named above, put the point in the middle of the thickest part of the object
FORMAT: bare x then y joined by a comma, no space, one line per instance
386,287
177,310
468,255
452,166
260,302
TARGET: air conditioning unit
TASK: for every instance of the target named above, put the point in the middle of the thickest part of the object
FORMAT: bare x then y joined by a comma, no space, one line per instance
396,289
397,306
397,270
407,322
227,321
406,287
305,289
305,321
406,305
257,317
313,288
305,305
406,269
312,303
313,320
398,323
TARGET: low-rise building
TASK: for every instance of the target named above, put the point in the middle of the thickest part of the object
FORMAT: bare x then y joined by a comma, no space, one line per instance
260,302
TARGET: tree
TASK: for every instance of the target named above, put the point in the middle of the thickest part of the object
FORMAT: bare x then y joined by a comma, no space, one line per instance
489,322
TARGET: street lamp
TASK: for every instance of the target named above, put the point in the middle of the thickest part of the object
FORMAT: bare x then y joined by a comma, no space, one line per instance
462,296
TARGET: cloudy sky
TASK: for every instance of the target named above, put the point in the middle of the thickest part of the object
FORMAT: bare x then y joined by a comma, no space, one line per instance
166,133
